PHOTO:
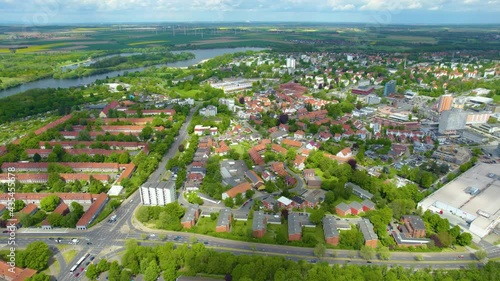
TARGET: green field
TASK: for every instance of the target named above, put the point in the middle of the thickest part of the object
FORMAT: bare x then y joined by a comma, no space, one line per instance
69,255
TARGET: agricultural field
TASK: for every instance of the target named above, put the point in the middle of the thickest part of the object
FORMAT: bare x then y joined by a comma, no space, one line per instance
28,54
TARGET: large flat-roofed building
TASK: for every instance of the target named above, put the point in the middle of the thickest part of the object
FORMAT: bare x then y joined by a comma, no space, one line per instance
157,194
472,197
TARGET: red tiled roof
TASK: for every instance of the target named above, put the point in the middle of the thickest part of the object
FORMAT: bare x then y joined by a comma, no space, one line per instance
89,214
30,208
134,121
3,150
39,196
25,178
83,177
87,144
129,169
19,274
112,105
265,141
53,124
278,149
240,188
292,143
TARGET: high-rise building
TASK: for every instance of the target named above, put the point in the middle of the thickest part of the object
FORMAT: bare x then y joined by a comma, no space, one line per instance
452,120
390,88
445,103
157,194
290,63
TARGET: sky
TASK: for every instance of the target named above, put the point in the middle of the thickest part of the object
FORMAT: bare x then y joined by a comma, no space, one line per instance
383,12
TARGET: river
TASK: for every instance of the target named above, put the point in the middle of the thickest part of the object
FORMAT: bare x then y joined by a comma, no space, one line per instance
200,55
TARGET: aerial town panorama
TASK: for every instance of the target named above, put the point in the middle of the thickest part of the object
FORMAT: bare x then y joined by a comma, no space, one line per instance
239,147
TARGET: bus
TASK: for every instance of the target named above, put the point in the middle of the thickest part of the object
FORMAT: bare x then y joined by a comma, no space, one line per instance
79,262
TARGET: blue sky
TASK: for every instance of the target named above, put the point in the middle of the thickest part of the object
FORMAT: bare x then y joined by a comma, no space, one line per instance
42,12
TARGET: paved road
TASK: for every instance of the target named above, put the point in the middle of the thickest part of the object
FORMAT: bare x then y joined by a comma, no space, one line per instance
301,186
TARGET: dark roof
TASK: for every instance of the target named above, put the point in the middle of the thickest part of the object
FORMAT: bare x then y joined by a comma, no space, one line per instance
224,216
343,206
253,177
355,205
190,213
298,200
258,221
294,224
356,189
368,204
330,227
415,221
366,227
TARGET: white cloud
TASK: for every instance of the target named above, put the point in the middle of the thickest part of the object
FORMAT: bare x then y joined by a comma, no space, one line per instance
140,10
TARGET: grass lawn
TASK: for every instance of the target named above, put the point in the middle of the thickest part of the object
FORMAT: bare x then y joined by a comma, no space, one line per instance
69,255
240,148
187,94
317,232
62,247
496,98
57,267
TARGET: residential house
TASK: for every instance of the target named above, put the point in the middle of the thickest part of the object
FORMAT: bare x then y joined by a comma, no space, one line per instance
357,190
259,224
325,136
13,273
279,169
30,209
224,220
299,202
192,214
285,203
356,208
413,226
299,162
105,112
239,189
299,135
312,180
255,180
345,153
343,209
62,209
369,235
312,145
278,149
368,205
294,227
330,231
268,176
91,214
269,202
291,143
